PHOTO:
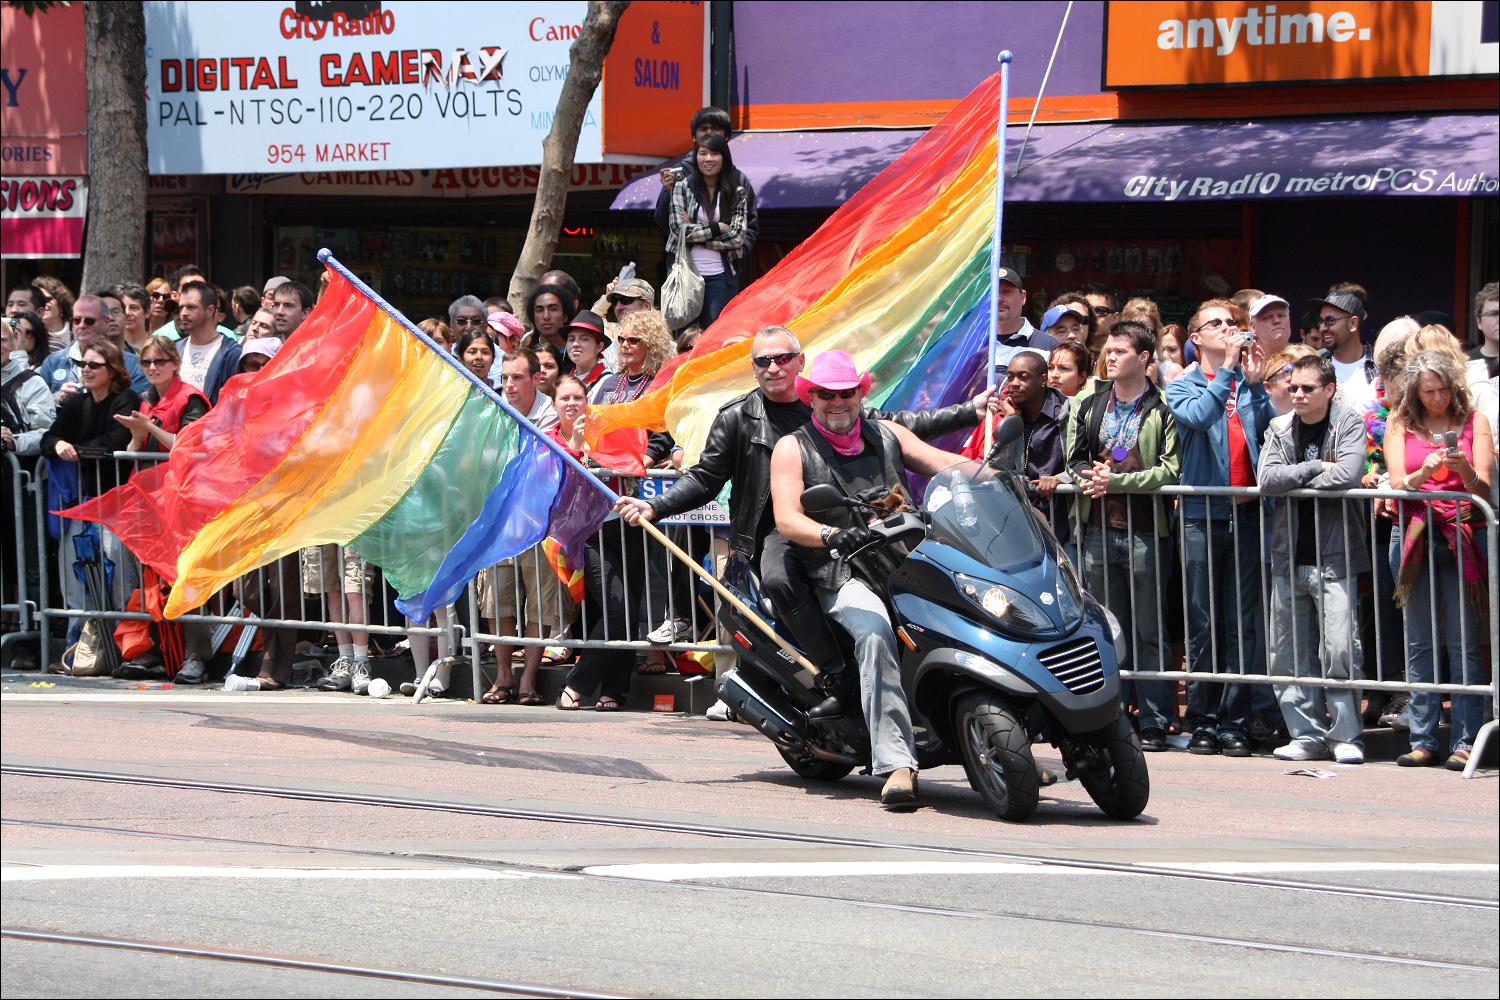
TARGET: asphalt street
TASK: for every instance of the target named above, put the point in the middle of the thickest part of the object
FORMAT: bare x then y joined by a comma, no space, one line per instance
172,843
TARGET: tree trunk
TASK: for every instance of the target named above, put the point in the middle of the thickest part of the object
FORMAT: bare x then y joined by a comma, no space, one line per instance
115,69
585,68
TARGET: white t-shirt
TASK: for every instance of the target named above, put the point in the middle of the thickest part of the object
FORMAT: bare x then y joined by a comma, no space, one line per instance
197,359
543,414
1355,390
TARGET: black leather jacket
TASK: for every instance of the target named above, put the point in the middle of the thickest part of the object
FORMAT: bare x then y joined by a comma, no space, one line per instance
738,452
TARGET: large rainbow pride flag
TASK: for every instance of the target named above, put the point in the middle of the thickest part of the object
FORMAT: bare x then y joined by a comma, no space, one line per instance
898,277
360,432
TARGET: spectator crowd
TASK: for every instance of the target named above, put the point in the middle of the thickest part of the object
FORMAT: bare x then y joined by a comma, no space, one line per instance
1248,391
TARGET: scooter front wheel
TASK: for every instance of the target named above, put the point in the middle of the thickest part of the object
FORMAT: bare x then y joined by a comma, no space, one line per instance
814,768
1120,784
996,751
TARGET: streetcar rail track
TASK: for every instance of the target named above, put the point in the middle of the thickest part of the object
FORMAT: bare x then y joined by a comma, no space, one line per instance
1252,944
177,950
741,833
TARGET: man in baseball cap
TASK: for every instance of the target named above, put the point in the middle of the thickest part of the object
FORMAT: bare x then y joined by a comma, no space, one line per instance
1271,319
258,352
1341,313
1015,331
268,293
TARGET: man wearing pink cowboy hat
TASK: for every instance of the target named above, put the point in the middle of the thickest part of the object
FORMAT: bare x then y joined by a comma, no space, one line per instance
864,458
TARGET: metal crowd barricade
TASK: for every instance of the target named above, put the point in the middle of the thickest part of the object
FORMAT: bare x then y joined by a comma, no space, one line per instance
226,610
1387,669
656,588
22,579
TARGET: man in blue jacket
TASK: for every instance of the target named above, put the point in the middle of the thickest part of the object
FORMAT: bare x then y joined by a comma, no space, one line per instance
61,369
209,358
1222,412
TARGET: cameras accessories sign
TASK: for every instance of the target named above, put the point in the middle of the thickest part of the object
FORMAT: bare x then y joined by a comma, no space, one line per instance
293,87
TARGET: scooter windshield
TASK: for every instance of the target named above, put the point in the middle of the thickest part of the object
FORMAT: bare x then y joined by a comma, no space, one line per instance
984,514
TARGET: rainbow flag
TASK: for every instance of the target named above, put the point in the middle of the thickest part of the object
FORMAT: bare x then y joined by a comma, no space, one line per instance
898,277
358,433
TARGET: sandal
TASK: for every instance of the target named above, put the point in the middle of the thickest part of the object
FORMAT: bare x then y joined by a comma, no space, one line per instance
568,701
606,704
269,683
496,696
652,668
530,698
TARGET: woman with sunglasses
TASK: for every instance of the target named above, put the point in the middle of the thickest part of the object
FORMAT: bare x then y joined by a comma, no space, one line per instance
170,405
161,307
27,408
83,438
57,310
620,552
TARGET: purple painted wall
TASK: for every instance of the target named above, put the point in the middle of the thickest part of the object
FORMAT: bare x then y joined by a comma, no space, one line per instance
808,53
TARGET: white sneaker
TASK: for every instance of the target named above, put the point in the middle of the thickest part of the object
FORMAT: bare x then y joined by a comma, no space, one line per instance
191,672
339,677
1348,753
359,677
718,712
1301,750
670,630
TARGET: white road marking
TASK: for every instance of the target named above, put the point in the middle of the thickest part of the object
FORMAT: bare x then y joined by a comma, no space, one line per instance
842,869
209,696
47,873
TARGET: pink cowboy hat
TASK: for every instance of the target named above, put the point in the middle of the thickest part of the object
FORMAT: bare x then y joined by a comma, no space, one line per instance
831,370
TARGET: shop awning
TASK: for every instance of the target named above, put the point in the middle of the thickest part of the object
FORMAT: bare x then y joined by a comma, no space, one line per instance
1431,155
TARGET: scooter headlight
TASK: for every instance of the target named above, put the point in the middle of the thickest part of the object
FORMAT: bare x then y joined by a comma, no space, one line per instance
1009,607
1116,633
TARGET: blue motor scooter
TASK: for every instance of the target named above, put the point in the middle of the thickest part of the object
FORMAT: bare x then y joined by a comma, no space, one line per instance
1002,648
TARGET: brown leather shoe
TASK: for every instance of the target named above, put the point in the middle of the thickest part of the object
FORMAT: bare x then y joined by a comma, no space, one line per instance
1458,760
1420,757
900,791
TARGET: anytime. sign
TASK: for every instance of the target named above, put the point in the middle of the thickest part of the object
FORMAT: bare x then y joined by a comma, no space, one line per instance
1178,43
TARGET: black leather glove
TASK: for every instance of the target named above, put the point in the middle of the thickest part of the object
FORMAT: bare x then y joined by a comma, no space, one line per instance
846,540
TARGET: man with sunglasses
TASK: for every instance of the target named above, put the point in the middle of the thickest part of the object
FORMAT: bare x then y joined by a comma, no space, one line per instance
1222,411
868,459
63,368
737,451
1318,548
1341,314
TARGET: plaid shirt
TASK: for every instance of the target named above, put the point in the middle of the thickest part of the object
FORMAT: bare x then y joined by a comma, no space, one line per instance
728,239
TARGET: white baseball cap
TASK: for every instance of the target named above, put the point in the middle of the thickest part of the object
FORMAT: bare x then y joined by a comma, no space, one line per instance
1265,302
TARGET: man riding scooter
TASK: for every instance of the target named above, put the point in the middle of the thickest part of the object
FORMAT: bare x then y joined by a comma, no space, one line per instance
867,460
738,451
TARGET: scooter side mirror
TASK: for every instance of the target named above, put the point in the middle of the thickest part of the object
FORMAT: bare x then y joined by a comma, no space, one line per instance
1006,454
823,497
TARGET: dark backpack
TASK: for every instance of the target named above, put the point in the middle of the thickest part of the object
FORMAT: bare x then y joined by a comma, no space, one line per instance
12,412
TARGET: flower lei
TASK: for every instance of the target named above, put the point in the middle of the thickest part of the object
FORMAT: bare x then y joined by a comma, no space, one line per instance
1375,420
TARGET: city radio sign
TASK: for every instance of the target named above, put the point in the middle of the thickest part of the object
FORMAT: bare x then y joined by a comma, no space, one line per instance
1192,43
253,87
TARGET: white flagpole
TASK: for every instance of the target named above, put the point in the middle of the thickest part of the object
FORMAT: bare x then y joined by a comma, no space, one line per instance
1005,58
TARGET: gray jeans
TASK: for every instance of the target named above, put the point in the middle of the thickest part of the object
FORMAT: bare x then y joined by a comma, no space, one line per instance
1121,570
1313,635
862,614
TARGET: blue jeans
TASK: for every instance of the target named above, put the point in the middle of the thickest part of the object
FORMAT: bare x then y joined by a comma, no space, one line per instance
718,289
1313,635
1120,568
1222,564
1455,625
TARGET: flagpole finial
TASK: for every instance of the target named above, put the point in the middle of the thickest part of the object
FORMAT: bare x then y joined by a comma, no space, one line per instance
324,255
1005,57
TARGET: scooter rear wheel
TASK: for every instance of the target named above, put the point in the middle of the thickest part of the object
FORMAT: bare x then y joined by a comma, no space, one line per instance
814,768
996,751
1122,786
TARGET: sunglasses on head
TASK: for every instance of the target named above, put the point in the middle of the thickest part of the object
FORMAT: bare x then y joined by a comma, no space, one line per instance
829,395
767,360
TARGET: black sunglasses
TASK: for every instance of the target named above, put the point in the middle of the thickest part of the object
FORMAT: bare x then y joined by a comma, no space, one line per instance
767,360
92,365
829,395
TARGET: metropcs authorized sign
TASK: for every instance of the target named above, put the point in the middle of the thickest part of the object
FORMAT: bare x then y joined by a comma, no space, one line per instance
389,85
1207,42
